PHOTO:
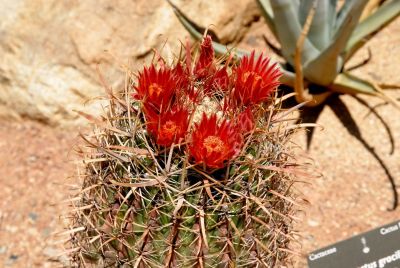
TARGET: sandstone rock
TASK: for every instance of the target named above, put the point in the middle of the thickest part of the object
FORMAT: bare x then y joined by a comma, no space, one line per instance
50,49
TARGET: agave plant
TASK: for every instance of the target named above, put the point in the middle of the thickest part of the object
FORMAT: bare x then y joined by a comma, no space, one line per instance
317,38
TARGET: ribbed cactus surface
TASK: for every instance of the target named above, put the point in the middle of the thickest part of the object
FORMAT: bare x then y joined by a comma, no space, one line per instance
190,167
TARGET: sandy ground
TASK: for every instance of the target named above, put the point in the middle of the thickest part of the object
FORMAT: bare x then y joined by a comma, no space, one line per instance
354,194
354,153
36,165
358,153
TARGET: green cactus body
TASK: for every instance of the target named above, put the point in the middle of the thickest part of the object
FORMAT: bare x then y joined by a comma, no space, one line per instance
158,206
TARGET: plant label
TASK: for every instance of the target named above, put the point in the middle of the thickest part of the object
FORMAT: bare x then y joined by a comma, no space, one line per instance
379,248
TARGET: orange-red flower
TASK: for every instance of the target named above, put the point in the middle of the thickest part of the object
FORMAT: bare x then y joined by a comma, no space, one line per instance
156,87
256,79
213,144
219,81
206,70
168,127
184,83
182,76
205,65
246,121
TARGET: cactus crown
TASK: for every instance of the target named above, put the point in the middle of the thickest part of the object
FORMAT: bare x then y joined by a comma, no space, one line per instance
191,169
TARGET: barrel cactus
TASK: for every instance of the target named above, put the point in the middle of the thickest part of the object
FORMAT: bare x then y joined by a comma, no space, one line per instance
191,166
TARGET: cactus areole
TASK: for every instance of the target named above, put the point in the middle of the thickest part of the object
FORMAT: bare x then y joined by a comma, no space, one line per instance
190,169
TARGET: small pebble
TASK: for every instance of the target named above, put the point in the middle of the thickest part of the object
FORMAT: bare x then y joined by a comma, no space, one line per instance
32,158
11,229
14,257
313,223
3,249
310,238
33,216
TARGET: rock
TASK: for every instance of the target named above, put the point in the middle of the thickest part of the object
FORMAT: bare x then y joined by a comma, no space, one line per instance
50,49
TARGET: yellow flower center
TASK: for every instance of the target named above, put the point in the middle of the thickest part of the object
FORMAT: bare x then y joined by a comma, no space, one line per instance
170,128
254,74
155,88
214,144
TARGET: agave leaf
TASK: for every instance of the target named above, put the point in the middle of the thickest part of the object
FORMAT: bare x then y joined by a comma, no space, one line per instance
343,13
266,10
221,49
350,84
288,78
324,69
193,29
365,29
323,22
332,17
288,29
370,8
190,26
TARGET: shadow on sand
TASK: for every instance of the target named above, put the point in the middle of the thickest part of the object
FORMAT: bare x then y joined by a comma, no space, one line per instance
311,115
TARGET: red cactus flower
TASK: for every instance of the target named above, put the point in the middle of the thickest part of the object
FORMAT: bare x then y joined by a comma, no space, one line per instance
168,127
246,121
205,64
206,70
184,83
221,80
256,79
181,75
213,144
156,87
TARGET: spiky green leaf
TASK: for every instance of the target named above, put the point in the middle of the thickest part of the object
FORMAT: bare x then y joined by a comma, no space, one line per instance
384,15
266,11
194,32
288,29
323,22
324,69
343,13
350,84
288,78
